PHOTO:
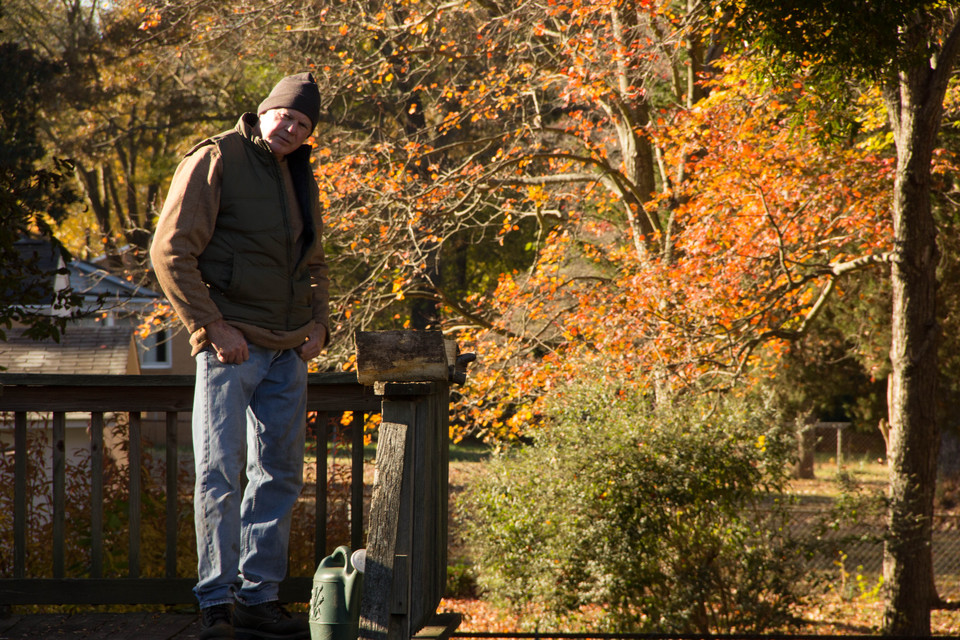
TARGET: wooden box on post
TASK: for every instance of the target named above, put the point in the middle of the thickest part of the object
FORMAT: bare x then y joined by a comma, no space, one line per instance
406,562
403,356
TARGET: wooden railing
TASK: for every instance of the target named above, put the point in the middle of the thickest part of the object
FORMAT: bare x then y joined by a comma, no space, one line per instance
21,395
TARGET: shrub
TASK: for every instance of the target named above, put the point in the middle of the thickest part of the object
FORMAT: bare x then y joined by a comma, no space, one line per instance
668,518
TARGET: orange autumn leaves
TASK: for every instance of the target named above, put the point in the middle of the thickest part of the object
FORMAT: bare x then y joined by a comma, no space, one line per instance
668,238
767,208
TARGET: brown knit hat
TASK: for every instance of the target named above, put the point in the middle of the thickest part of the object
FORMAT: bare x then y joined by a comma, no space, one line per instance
298,92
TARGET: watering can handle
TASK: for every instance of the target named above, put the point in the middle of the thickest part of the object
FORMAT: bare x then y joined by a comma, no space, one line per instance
340,551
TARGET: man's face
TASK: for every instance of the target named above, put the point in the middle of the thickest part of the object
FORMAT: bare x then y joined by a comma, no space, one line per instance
284,130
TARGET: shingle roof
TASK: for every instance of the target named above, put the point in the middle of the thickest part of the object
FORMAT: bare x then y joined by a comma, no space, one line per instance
90,350
90,280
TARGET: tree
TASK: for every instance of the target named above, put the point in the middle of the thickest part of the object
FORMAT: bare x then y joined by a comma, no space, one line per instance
31,198
125,106
909,49
463,131
515,126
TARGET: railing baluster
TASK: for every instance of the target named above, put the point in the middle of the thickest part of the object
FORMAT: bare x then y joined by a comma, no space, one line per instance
59,490
134,461
96,494
20,495
356,481
173,471
320,507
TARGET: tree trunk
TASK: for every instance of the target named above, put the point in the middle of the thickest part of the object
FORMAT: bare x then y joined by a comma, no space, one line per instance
914,434
806,448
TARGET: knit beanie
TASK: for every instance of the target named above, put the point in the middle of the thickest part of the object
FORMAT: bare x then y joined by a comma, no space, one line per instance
298,92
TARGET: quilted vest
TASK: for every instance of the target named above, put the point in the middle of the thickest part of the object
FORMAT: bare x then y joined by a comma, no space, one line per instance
250,265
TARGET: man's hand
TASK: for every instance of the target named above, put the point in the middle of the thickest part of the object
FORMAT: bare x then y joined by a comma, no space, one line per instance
228,342
313,343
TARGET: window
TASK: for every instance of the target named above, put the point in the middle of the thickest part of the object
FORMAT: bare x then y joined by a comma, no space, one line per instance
155,351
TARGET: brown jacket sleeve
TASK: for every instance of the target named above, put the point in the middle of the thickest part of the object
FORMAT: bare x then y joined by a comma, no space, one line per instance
185,227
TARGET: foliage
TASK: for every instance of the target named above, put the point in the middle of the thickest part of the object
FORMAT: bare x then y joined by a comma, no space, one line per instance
31,197
668,516
912,69
859,36
761,240
126,106
510,175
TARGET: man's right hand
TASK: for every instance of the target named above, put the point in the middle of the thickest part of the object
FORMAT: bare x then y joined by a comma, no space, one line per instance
227,342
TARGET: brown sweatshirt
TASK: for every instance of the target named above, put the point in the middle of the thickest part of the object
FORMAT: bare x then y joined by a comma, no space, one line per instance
185,227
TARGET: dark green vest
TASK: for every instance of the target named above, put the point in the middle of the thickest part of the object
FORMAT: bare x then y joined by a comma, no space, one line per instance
250,265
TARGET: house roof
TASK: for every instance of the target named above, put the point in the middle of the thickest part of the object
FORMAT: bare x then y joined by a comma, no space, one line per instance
41,273
92,281
91,350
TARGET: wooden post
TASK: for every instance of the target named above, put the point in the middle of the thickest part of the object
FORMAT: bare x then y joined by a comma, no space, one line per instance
406,563
407,542
382,596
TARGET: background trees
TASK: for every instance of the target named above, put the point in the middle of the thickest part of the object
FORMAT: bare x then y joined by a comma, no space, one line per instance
33,194
123,107
909,49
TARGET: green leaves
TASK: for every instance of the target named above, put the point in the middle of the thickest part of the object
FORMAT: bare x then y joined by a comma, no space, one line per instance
660,513
864,37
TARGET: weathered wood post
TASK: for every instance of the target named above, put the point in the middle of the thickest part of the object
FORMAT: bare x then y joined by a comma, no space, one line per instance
406,562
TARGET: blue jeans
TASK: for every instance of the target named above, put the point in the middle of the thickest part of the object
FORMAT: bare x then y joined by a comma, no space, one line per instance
255,414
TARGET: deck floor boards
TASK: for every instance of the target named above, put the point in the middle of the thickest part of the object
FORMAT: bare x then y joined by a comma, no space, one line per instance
101,626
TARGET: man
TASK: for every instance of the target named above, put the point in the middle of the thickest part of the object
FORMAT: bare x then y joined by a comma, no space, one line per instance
237,252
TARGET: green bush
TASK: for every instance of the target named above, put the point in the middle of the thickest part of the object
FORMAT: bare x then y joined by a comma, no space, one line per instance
667,518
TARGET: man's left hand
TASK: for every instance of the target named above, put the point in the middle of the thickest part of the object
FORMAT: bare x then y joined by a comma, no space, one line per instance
313,343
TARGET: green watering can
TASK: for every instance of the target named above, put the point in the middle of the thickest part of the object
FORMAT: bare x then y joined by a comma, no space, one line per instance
335,598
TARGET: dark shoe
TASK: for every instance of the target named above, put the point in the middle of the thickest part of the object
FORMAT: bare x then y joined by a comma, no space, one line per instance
268,621
216,622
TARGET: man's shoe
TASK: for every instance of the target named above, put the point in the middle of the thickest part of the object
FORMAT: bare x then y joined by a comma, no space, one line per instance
268,621
216,622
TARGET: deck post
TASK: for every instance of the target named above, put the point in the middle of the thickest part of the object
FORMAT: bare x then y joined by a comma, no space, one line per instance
406,561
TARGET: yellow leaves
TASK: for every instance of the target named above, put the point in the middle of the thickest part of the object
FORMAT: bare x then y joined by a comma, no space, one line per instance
761,443
150,20
538,196
398,287
350,364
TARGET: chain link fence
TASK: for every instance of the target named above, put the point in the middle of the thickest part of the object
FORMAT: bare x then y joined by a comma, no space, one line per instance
850,471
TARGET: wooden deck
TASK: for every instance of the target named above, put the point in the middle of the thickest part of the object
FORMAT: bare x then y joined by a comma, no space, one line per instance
149,626
101,626
409,511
